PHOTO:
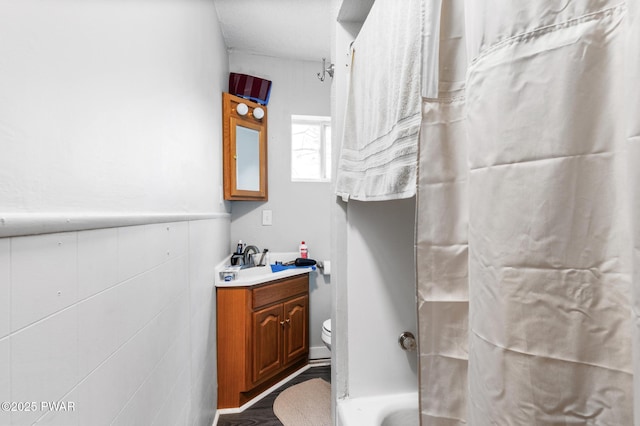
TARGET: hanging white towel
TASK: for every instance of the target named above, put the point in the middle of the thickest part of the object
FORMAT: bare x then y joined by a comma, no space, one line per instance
380,142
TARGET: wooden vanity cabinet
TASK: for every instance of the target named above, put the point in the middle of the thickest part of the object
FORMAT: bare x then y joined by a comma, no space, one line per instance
279,336
263,336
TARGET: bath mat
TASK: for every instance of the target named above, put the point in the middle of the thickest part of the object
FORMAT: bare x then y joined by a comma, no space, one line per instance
305,404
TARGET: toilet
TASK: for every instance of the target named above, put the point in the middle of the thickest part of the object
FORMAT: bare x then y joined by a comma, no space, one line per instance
326,333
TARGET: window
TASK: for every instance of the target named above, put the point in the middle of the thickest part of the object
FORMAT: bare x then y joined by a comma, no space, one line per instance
310,148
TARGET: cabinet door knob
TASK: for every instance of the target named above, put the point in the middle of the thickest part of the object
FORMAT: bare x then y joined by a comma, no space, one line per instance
282,323
288,320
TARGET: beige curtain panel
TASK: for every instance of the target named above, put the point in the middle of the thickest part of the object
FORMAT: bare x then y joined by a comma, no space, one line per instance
528,202
528,214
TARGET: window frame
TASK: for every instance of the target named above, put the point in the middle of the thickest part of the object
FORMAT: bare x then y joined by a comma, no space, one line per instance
324,122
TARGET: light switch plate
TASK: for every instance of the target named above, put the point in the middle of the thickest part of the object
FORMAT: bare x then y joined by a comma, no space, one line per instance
267,218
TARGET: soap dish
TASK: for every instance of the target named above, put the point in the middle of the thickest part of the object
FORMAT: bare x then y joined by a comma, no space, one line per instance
230,273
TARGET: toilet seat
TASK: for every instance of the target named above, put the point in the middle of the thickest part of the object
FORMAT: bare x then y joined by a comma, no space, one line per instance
326,333
326,326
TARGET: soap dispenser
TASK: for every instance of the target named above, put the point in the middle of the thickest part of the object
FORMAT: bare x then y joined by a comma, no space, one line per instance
236,258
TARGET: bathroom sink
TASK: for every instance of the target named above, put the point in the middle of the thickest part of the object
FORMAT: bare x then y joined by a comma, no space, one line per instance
258,274
243,267
253,271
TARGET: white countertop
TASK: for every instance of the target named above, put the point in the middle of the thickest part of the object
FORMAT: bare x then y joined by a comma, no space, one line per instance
260,274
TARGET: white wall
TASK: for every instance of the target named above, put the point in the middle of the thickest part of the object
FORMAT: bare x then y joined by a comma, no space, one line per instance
374,297
301,211
381,289
343,34
110,106
110,116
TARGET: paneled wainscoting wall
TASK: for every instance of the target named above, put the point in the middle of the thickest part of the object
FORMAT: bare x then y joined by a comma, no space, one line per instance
118,323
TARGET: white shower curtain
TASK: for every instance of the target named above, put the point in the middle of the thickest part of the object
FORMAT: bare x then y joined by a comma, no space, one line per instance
441,229
528,216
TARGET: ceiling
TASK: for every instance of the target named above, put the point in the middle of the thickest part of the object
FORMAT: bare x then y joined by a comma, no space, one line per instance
298,29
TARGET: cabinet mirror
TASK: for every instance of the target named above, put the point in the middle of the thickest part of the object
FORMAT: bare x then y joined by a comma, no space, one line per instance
244,149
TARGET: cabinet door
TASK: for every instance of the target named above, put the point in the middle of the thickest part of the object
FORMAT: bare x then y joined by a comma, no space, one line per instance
267,342
296,330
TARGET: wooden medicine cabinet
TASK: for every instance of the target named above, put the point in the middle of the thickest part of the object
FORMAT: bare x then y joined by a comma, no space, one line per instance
244,152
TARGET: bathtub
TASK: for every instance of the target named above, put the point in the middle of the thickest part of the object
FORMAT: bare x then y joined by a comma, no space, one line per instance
384,410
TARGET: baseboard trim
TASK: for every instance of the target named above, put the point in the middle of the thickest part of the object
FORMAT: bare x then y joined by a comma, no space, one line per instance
320,362
312,363
319,352
265,393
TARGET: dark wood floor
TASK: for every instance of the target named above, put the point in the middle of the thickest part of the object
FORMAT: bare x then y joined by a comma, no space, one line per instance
261,413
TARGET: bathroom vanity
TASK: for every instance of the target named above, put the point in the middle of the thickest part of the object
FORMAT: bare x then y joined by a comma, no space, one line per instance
262,335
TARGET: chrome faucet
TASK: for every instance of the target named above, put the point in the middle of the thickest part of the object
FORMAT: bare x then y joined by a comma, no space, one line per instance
247,258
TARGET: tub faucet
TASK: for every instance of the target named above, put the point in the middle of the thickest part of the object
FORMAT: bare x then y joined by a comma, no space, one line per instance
247,256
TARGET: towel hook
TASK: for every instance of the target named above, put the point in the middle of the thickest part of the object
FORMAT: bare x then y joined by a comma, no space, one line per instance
325,69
